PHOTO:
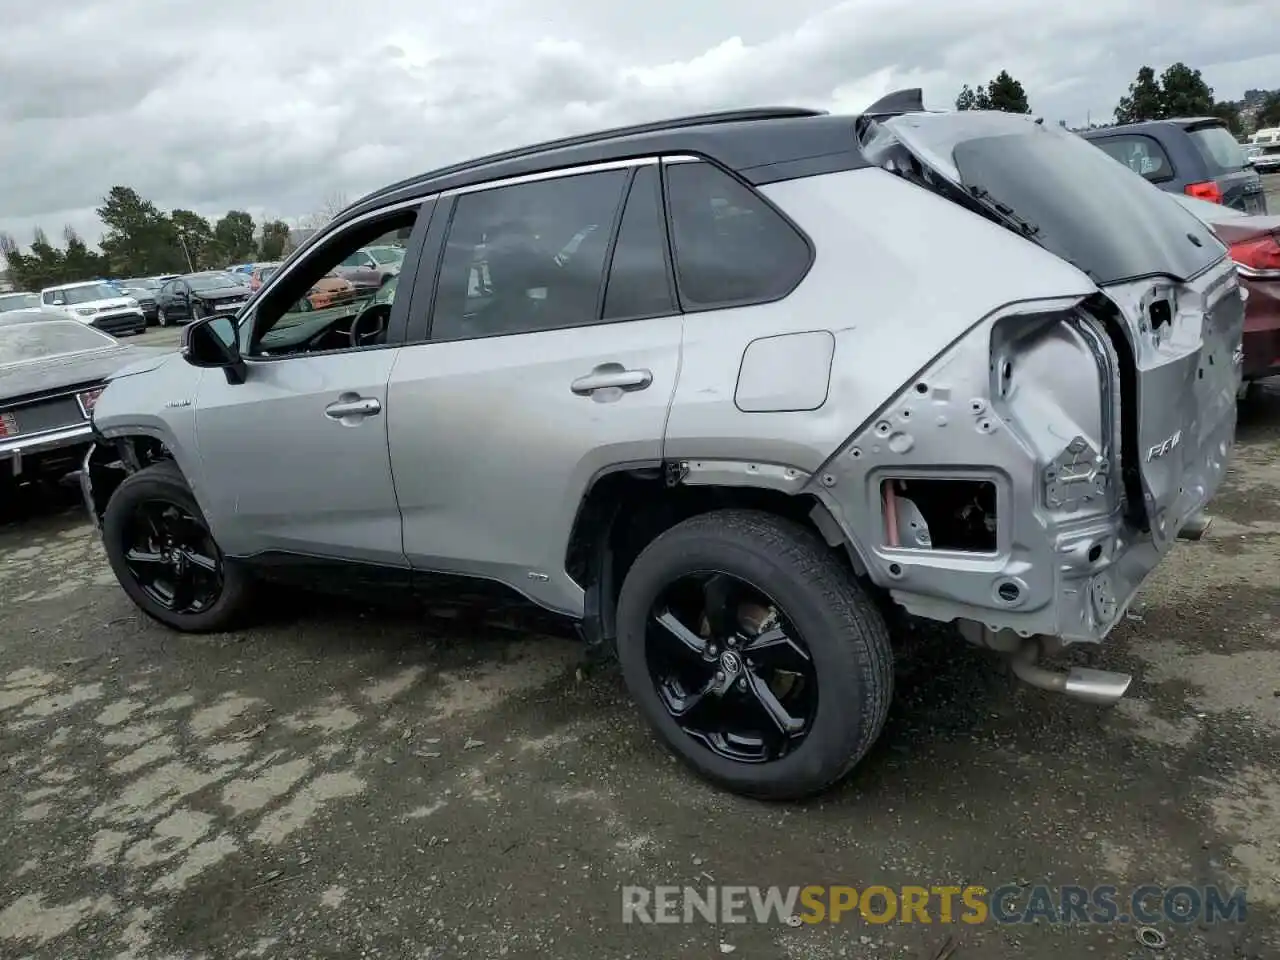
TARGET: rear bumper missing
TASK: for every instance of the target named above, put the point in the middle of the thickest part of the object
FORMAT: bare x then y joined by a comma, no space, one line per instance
1027,405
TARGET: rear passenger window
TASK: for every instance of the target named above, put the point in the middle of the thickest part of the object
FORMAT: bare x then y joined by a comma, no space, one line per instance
526,257
638,285
731,247
1141,154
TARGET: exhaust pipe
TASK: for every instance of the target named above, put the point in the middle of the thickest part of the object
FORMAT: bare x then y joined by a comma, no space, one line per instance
1080,683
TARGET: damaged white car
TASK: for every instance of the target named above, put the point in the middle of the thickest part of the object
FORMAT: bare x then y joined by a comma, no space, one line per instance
720,390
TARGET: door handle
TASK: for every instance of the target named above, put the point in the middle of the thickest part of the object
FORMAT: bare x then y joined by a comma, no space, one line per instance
356,407
611,376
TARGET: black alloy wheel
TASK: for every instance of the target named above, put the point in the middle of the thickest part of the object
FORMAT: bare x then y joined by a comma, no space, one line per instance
729,668
754,653
172,557
165,557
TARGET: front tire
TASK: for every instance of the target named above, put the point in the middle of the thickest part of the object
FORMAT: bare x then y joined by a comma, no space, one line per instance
754,654
161,318
165,558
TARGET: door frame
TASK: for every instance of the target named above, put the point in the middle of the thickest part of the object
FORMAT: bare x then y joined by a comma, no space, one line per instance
397,324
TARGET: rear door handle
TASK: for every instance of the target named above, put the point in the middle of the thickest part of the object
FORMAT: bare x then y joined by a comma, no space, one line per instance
611,376
353,407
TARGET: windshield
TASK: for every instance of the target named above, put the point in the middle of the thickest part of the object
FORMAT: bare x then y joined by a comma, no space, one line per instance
49,338
18,301
213,281
1076,200
87,293
387,254
1218,148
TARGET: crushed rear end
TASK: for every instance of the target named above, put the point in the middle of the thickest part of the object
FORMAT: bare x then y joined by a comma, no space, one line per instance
1102,426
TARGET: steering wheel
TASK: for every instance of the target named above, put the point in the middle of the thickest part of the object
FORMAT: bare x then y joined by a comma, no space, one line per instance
374,317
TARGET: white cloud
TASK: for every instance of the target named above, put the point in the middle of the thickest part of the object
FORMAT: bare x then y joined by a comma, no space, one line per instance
273,107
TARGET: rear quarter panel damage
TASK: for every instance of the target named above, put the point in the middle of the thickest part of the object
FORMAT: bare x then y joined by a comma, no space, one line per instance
900,274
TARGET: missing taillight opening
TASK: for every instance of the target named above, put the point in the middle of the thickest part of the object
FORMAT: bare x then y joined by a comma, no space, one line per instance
929,514
1161,314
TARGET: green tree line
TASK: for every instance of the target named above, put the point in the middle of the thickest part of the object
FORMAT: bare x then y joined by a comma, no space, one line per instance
142,240
1179,91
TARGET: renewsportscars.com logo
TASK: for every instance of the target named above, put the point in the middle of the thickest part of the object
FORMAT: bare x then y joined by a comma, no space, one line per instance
970,904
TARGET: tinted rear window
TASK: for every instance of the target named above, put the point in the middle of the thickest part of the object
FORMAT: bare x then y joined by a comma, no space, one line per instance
1090,210
731,247
1219,149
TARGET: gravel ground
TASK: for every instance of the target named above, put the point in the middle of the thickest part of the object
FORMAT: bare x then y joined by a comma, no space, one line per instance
344,782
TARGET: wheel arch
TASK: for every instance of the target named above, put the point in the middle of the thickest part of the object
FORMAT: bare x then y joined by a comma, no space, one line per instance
626,506
113,458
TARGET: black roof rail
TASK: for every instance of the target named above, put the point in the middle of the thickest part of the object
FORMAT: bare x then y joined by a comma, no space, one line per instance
742,115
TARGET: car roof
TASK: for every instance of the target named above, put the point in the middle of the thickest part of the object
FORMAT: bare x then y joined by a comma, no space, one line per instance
1140,126
761,144
78,283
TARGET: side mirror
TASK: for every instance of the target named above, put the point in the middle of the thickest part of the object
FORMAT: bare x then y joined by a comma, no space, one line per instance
214,342
59,303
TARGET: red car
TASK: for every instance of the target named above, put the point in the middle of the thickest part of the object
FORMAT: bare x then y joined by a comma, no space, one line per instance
1255,247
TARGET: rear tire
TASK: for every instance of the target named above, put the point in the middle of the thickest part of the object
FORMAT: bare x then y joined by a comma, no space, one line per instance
814,596
129,521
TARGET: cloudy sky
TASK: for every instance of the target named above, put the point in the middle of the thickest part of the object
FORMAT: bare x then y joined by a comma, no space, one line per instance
276,107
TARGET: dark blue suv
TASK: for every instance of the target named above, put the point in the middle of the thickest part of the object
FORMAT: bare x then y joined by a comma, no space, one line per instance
1196,156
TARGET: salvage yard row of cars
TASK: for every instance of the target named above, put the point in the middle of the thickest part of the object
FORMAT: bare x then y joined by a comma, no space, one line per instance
125,307
654,380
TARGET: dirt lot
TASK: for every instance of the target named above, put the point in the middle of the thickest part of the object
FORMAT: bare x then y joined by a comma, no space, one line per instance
344,782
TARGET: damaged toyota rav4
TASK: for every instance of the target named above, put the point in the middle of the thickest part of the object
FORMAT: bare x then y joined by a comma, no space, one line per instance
726,391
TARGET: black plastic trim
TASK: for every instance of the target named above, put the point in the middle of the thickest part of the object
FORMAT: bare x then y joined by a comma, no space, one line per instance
427,276
615,227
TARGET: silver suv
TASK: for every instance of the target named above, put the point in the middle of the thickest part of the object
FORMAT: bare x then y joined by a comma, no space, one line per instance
726,391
